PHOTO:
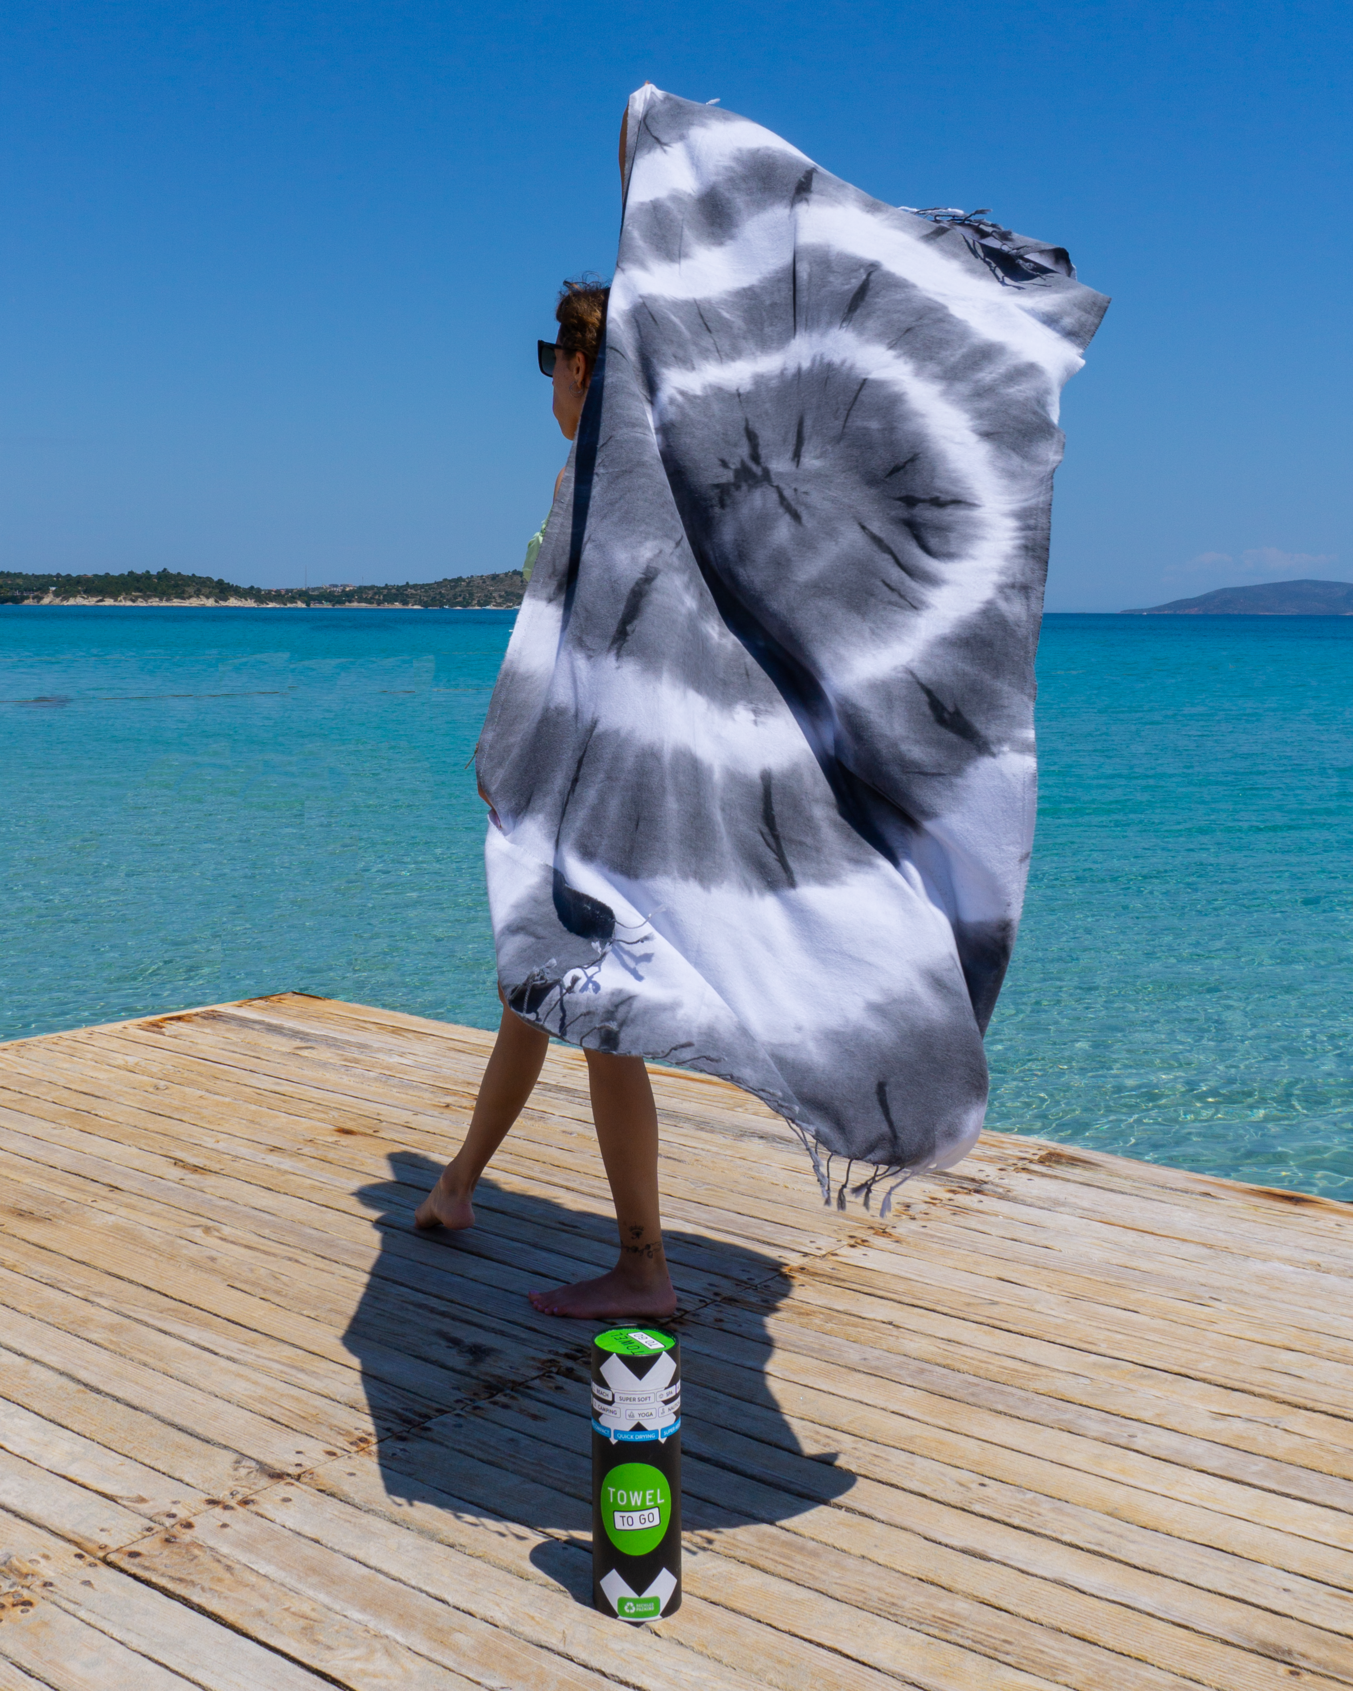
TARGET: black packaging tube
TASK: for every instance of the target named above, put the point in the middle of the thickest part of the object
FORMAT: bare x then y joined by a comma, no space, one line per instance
636,1473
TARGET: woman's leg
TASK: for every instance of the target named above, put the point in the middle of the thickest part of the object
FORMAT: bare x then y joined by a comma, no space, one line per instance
627,1131
513,1070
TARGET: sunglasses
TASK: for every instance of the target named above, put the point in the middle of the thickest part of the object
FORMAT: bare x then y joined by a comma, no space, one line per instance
546,353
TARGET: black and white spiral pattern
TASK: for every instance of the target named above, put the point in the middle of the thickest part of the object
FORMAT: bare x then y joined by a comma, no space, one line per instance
762,746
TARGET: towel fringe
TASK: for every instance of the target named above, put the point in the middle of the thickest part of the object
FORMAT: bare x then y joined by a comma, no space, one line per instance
809,1143
864,1189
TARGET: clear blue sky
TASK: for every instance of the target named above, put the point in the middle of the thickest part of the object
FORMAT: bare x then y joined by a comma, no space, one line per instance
272,274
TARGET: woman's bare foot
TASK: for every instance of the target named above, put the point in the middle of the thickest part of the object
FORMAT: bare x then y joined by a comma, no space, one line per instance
446,1205
612,1296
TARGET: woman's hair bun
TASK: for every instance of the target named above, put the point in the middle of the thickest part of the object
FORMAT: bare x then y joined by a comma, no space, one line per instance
581,315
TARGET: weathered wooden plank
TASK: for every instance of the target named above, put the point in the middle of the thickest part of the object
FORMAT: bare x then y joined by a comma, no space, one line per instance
134,1616
579,1241
252,1551
921,1657
311,1081
1017,1489
1200,1289
729,1505
706,1204
712,1095
273,1614
559,1559
867,1589
42,1639
1050,1274
261,1261
1171,1399
122,1250
694,1109
293,1014
1076,1454
1170,1215
166,1091
62,1653
511,1336
718,1102
1306,1443
1268,1205
81,1517
107,1473
1096,1415
1322,1387
1262,1363
997,1212
12,1677
47,1039
690,1105
319,1107
1169,1585
551,1617
266,1262
182,1319
1027,1572
293,1406
561,1563
176,1636
95,1076
418,1105
266,1442
340,1182
188,1457
1022,1192
334,1215
1122,1413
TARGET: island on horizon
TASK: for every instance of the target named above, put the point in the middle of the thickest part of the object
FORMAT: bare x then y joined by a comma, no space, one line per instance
1265,599
167,587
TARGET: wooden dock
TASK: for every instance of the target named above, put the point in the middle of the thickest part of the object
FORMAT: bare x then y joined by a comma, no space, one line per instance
1066,1420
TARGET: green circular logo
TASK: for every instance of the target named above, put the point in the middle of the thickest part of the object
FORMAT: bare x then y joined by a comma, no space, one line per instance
635,1341
636,1506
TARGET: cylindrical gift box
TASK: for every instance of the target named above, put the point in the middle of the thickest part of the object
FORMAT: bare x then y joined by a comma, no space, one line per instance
636,1473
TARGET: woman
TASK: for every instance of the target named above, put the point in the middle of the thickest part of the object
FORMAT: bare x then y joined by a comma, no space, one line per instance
622,1099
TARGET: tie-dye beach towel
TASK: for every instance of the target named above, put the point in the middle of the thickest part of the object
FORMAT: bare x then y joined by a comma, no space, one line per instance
761,754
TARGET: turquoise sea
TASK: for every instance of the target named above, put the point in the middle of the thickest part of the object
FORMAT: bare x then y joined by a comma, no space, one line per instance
201,805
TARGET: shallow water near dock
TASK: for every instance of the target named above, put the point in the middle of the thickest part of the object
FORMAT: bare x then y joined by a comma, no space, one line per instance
204,805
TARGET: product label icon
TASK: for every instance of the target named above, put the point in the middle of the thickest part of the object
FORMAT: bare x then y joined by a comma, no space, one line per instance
636,1505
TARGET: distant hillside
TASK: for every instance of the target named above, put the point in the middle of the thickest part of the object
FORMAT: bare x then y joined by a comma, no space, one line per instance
166,587
1269,599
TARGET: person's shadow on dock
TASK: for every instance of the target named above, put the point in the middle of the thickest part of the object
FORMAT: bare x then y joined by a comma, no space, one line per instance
481,1406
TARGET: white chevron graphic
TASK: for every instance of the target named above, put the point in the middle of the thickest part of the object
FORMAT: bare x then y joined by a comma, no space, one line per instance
615,1588
618,1377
